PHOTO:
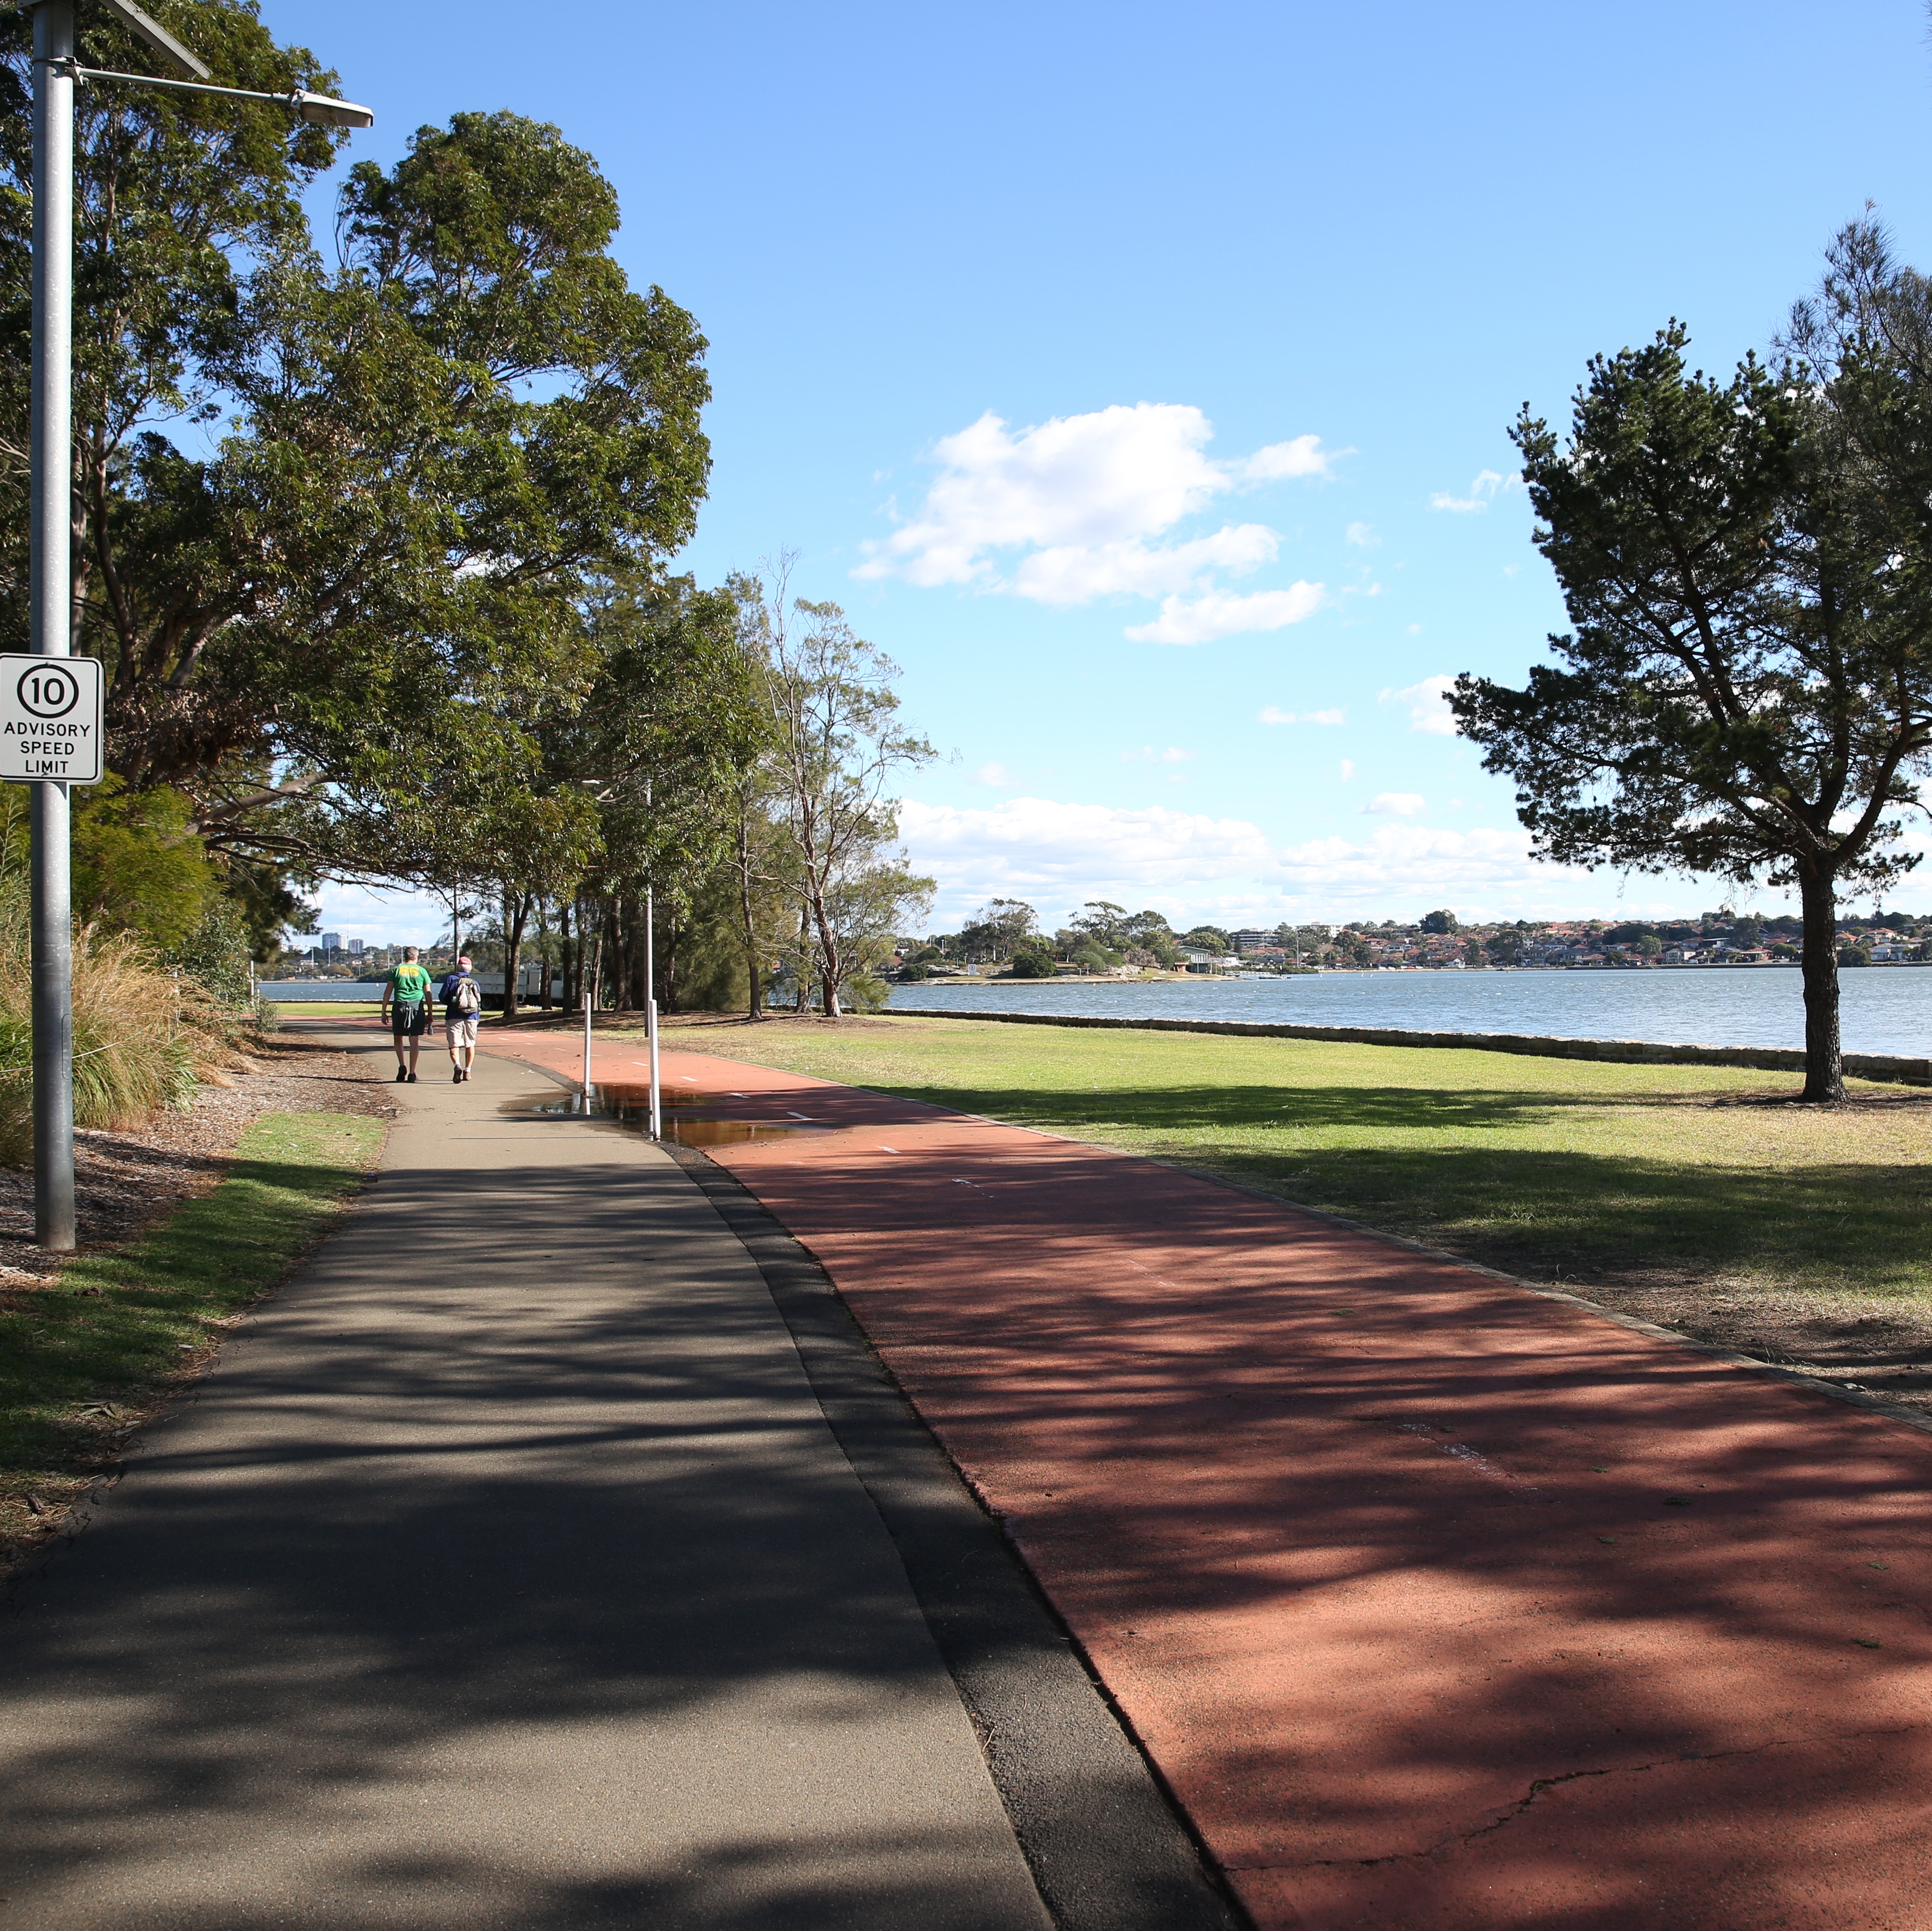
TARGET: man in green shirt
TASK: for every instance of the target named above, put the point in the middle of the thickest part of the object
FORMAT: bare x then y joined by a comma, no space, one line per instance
406,1004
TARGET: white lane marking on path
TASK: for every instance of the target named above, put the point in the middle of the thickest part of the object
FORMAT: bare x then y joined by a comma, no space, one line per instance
889,1149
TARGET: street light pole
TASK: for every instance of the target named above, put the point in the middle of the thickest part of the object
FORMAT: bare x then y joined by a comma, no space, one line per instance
50,594
50,538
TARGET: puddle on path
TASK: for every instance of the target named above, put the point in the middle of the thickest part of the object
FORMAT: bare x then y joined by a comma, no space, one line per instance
631,1106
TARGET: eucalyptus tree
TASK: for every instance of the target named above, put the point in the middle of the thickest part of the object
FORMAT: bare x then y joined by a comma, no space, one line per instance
837,748
671,723
1747,689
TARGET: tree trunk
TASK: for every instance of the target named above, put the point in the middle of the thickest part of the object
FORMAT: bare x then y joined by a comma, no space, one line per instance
754,1007
566,956
831,976
664,961
516,916
1824,1060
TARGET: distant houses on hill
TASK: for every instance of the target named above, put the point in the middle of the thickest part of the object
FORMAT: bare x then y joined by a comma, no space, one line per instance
1010,945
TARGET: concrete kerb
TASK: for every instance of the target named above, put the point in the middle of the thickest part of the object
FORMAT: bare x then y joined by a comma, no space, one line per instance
1885,1067
1107,1847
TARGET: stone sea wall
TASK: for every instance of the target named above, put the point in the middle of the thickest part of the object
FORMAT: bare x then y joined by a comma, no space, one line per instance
1770,1059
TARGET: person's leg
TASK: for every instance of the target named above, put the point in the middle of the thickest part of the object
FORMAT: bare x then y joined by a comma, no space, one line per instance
452,1034
402,1071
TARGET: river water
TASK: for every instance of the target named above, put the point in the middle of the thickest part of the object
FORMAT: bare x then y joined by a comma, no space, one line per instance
1886,1009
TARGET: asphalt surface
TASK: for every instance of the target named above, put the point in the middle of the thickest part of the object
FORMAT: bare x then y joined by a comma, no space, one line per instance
503,1573
1439,1604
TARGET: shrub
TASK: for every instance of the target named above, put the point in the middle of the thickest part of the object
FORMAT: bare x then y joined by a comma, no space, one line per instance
214,954
862,993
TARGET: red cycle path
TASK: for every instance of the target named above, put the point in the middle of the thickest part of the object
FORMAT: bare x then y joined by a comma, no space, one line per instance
1440,1605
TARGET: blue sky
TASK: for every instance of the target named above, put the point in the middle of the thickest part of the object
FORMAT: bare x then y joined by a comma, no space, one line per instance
1134,375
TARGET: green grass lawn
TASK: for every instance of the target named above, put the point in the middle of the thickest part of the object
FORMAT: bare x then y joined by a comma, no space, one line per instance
1692,1194
118,1332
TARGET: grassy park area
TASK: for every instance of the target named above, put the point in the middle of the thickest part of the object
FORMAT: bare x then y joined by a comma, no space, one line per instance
1696,1196
105,1346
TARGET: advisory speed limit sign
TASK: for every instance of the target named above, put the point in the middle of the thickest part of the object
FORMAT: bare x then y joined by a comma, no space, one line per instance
50,720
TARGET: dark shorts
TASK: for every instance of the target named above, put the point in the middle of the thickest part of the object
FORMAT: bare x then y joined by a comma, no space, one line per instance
410,1022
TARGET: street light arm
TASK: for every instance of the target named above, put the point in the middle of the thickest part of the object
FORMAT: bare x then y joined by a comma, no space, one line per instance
324,110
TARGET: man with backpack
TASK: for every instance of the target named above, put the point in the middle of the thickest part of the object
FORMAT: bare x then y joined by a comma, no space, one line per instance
406,1004
462,1006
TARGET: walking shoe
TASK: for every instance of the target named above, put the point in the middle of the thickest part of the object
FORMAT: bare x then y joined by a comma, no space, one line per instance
402,1074
456,1075
412,1079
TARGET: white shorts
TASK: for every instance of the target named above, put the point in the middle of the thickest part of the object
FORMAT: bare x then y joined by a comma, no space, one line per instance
460,1029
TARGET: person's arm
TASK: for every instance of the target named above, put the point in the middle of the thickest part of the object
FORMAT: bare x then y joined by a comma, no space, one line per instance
389,987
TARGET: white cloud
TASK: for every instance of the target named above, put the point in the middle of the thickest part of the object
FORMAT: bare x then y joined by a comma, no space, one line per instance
1397,804
1038,848
1303,457
1147,754
1490,871
1483,491
1069,511
403,917
1362,534
995,774
1216,614
1191,865
1068,573
1272,714
1348,770
1428,703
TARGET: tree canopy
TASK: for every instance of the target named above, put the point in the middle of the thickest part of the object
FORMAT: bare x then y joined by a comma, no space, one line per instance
341,524
1747,689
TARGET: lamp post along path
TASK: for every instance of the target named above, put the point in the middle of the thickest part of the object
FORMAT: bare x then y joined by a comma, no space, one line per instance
38,702
50,621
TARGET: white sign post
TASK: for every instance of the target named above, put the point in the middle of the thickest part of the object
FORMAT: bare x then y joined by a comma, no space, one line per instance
50,720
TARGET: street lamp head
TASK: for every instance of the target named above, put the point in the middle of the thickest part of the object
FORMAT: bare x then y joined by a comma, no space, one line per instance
157,36
324,110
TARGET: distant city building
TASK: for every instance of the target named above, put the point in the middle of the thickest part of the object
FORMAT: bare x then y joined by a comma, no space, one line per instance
355,948
1251,940
332,942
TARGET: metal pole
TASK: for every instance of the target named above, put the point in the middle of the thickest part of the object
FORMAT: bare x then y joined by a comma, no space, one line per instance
651,1009
50,592
585,973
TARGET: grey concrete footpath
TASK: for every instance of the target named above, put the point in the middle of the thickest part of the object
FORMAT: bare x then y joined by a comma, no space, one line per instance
503,1573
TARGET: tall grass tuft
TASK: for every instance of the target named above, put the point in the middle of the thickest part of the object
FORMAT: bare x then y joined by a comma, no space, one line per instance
143,1036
